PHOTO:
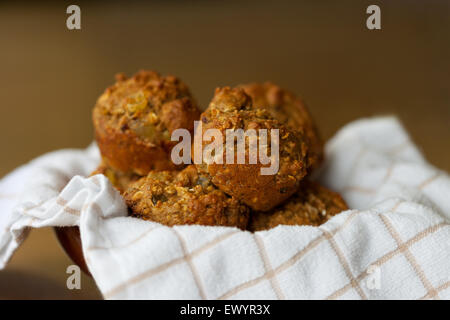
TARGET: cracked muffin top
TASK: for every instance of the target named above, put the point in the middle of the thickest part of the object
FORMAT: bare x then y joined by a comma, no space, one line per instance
184,197
150,105
290,110
134,120
232,108
311,205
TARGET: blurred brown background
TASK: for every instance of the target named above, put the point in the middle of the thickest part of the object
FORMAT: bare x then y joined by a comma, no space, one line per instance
322,50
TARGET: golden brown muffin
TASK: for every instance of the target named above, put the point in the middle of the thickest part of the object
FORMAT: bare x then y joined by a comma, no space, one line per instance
311,205
118,179
233,109
134,119
288,109
184,197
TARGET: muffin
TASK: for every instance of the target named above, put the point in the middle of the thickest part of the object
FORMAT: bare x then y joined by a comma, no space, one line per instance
311,205
118,179
134,119
184,197
290,110
233,109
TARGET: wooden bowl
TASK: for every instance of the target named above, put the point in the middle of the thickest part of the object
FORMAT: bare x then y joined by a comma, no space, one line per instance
70,240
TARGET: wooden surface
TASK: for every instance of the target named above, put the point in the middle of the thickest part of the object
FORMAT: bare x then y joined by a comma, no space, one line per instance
51,77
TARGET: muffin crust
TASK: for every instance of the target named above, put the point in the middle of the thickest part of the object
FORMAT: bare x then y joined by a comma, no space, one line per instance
311,205
233,109
134,119
290,110
184,197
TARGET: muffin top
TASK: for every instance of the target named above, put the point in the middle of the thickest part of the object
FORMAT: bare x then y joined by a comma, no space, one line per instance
290,110
311,205
184,197
232,108
150,105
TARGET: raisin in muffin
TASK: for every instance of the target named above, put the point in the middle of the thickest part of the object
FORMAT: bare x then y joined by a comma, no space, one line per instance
134,119
118,179
311,205
290,110
233,109
184,197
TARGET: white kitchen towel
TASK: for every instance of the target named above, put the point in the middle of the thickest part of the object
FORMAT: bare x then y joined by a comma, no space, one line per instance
394,243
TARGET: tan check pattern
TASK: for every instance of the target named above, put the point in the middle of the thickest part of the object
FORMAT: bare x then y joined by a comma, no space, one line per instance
271,274
399,224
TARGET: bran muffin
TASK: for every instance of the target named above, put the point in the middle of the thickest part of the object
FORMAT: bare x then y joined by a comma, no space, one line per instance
311,205
184,197
118,179
290,110
233,109
134,119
